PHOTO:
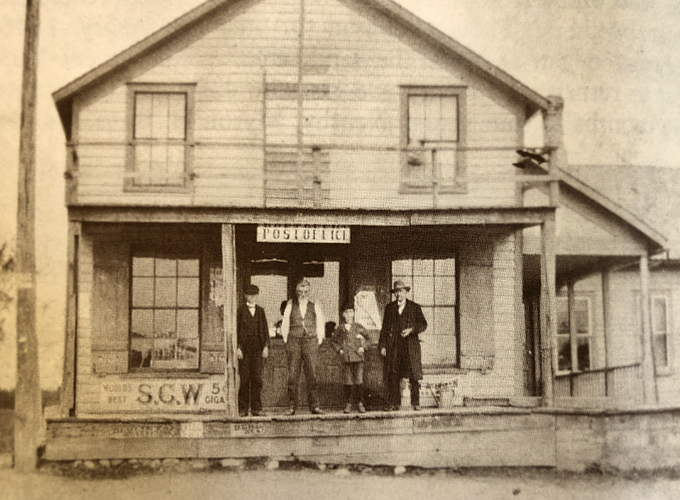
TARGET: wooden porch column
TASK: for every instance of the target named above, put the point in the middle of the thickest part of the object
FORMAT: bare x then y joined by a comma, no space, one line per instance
230,304
573,339
650,395
69,374
606,322
548,308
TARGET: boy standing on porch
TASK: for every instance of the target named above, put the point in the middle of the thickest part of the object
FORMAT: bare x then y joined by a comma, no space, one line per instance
252,335
349,342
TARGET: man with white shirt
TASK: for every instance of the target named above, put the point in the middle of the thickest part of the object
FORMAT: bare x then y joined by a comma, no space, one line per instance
400,346
303,329
252,338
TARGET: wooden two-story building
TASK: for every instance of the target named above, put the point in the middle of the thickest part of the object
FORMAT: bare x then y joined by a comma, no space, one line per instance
257,141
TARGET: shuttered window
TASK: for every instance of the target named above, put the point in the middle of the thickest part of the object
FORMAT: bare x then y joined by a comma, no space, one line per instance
160,137
164,313
434,287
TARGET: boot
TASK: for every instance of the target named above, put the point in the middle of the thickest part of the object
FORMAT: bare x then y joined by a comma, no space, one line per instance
360,398
348,399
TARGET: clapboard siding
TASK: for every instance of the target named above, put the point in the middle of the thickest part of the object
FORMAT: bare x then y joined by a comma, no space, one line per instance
361,57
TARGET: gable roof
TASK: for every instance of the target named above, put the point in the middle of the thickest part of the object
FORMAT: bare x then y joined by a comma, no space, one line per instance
651,194
63,97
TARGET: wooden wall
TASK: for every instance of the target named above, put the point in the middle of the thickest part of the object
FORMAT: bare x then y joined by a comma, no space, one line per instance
360,56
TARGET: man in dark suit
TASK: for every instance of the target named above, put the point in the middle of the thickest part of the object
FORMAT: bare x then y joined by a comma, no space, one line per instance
252,335
400,346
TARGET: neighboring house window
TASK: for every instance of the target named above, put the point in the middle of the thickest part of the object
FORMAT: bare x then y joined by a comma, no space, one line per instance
160,136
660,331
434,287
565,360
433,134
164,313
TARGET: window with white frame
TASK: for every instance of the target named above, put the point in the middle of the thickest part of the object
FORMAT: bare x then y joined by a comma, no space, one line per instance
433,133
660,330
434,287
579,359
160,135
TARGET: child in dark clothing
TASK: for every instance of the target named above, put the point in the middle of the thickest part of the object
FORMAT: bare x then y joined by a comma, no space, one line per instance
349,340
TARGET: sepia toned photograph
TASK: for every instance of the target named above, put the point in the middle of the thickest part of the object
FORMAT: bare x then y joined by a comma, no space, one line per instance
337,249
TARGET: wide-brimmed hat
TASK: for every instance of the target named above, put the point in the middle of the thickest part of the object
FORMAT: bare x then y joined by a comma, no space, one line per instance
400,285
251,290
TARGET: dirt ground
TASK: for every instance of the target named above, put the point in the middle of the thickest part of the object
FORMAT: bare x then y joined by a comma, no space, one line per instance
308,482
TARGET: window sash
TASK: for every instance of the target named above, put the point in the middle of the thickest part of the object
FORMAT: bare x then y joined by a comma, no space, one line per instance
165,313
584,335
660,330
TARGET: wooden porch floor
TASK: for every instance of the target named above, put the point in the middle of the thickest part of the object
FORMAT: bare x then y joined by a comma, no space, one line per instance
457,437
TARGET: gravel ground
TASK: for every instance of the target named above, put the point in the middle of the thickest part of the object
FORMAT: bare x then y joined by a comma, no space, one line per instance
149,480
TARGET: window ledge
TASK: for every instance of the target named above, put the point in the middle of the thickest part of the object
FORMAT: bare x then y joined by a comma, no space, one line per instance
163,375
157,190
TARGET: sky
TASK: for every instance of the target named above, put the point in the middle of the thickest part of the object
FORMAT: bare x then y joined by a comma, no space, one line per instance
615,63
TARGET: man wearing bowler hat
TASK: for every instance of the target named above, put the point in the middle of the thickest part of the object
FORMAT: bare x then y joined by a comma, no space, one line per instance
400,346
252,334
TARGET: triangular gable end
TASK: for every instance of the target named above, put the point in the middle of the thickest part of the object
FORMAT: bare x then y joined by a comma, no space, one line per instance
64,96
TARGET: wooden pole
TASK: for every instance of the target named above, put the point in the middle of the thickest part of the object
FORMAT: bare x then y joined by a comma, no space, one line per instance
648,376
229,278
548,309
28,399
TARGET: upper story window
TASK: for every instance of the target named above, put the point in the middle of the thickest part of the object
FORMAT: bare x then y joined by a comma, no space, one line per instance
160,135
433,139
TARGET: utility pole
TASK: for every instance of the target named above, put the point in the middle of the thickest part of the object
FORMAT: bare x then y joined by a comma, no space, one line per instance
28,398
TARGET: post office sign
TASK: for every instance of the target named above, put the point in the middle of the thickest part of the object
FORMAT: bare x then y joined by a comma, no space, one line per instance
303,234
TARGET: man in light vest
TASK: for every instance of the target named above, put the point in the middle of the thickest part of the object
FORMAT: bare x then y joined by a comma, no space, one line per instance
303,329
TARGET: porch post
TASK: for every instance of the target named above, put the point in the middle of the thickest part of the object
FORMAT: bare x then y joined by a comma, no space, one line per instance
606,322
230,303
573,340
69,373
648,377
548,308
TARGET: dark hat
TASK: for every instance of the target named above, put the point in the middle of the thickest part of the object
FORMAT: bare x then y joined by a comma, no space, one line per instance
251,290
400,285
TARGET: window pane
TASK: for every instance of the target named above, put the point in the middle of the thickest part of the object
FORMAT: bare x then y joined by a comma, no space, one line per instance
428,312
416,125
445,267
445,290
449,118
563,353
583,353
159,125
175,164
142,163
166,267
187,292
141,323
177,108
159,162
143,116
659,315
142,292
401,268
142,266
581,316
423,267
562,315
661,350
446,162
166,292
433,118
187,267
187,323
445,321
164,323
187,353
423,290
